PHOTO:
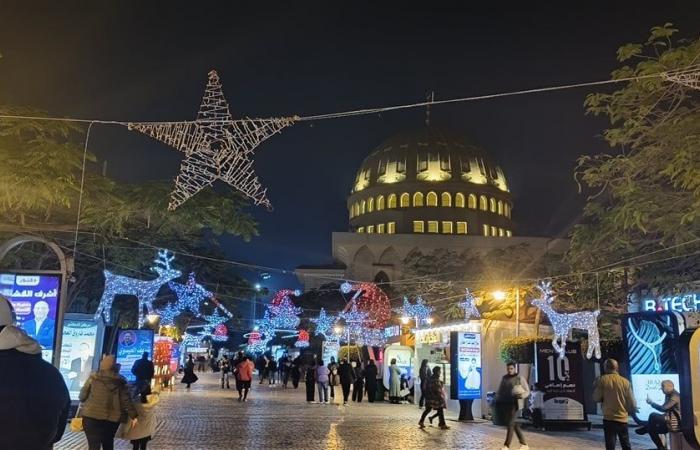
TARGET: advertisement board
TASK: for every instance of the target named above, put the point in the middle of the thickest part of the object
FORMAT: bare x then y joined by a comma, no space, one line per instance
130,346
404,361
465,353
81,339
35,301
560,380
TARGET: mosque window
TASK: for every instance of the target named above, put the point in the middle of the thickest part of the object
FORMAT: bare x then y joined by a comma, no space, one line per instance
486,230
431,199
370,229
483,203
431,167
391,227
363,207
461,227
380,203
356,207
509,233
459,200
361,230
446,199
418,226
370,204
493,230
447,227
391,203
506,210
500,232
352,214
381,170
418,199
380,228
432,226
471,202
404,200
492,204
500,208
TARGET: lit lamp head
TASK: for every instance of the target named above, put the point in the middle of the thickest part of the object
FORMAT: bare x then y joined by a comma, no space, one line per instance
429,320
499,295
337,329
152,318
404,320
258,287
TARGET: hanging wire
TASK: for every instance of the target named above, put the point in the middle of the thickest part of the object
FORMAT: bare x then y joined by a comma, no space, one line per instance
82,184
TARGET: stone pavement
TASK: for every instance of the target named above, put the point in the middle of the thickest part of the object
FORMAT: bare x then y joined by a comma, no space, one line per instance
207,417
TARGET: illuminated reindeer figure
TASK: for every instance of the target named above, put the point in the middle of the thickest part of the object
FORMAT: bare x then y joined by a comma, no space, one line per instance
145,291
563,323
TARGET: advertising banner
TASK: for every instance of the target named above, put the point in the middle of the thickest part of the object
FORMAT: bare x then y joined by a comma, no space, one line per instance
78,353
466,358
561,381
130,346
404,361
35,300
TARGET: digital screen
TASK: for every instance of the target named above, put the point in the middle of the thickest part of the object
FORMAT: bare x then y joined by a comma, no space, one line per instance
35,301
130,347
77,353
404,362
468,366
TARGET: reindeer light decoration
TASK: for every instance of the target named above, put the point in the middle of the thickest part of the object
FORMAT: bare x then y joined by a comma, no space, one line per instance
469,306
145,291
563,323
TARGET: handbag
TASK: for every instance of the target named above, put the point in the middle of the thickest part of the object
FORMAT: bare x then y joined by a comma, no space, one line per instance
76,423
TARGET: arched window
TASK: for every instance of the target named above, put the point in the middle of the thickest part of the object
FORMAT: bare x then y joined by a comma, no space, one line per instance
357,209
418,199
431,199
380,203
500,208
483,203
352,211
492,203
446,199
405,200
363,207
471,201
391,203
506,210
370,204
459,200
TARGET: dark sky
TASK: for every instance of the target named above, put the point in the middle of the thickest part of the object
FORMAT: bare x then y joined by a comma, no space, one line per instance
137,61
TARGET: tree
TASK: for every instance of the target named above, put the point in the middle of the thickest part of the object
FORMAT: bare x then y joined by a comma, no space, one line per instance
644,195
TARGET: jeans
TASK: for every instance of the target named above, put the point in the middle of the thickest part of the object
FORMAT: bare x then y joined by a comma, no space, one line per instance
225,378
140,444
440,413
322,391
613,430
423,387
100,433
346,392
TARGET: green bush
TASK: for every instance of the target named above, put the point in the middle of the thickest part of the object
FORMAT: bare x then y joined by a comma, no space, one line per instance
520,349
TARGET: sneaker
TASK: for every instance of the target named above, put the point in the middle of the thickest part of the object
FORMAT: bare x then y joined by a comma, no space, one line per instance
524,447
313,402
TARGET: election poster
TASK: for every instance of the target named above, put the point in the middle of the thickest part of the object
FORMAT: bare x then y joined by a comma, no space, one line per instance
35,301
79,346
465,352
559,382
130,347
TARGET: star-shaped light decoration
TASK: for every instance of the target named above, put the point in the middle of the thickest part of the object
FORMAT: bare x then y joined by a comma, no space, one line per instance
354,319
168,314
469,306
323,322
284,315
215,147
213,321
190,295
419,310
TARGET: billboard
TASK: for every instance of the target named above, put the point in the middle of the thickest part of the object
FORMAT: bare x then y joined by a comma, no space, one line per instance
78,348
465,358
35,300
130,346
560,380
404,361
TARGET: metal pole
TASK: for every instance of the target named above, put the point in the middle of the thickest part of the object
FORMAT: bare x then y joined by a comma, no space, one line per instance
347,329
517,312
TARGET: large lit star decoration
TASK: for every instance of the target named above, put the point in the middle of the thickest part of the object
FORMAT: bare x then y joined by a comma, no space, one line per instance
302,340
168,314
324,323
213,327
355,320
284,316
469,306
190,295
215,147
419,310
145,291
563,323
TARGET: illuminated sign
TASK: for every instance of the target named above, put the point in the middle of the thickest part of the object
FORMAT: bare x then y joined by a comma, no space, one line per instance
392,331
131,344
429,337
678,303
468,364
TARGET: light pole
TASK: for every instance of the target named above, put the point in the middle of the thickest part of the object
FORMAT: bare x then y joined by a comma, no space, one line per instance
500,296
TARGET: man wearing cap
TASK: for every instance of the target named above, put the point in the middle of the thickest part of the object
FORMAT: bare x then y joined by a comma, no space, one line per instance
35,399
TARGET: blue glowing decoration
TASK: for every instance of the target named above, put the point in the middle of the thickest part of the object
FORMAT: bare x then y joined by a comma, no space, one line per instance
168,314
191,340
213,322
324,323
418,311
145,291
354,320
372,337
284,315
469,306
191,295
346,288
303,340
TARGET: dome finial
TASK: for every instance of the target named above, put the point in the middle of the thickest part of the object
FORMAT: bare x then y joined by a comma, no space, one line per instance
430,98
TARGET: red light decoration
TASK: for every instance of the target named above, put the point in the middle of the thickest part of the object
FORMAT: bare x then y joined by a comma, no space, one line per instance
221,330
372,300
281,294
163,350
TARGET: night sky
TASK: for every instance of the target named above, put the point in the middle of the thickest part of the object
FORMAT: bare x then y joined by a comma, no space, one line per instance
136,61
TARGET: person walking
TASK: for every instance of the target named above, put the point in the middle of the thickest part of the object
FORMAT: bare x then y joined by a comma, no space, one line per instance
296,372
424,375
310,380
509,399
190,377
615,393
435,400
35,401
145,428
334,378
660,424
225,372
272,371
322,373
105,403
244,377
347,378
394,382
371,380
285,369
143,370
358,388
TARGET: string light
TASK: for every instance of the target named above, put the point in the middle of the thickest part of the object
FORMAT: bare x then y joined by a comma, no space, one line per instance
354,319
303,339
370,298
323,322
469,306
284,315
145,291
419,310
212,329
190,295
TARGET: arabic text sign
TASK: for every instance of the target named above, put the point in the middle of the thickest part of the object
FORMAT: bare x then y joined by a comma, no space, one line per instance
560,380
130,346
468,366
77,353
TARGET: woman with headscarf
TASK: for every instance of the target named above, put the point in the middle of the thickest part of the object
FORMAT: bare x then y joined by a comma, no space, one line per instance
424,375
190,377
394,382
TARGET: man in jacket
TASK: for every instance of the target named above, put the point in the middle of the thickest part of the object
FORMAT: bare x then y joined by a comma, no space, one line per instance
143,371
615,393
244,375
371,380
660,424
35,399
347,378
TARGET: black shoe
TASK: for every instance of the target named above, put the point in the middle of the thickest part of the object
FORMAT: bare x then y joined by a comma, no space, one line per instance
430,419
641,430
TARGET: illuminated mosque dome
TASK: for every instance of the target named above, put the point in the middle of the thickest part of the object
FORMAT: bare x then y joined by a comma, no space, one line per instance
430,181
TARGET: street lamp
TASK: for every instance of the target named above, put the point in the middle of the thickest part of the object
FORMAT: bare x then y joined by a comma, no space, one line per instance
429,320
404,320
500,296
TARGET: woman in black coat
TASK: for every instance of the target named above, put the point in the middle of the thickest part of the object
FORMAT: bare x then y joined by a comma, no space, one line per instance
190,376
310,383
296,371
347,377
371,381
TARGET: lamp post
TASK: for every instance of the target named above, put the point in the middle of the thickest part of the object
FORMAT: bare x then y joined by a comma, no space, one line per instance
500,296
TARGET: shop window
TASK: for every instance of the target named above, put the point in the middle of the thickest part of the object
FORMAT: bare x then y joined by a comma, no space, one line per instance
471,201
500,208
370,229
446,199
391,202
461,227
405,200
459,200
417,199
380,203
492,204
431,199
370,204
418,226
380,228
486,230
483,203
447,227
432,226
391,227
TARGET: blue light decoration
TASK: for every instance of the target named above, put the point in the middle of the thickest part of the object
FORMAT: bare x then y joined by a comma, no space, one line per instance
354,320
191,295
284,315
303,339
214,323
168,314
371,337
191,340
145,291
346,288
419,310
469,306
324,323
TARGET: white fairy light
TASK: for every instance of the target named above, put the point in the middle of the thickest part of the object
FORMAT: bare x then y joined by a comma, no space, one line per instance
419,310
469,306
323,322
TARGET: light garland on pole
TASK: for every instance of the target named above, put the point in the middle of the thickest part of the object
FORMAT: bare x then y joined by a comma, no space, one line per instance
469,306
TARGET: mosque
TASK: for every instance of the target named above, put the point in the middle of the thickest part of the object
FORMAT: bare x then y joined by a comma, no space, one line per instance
424,189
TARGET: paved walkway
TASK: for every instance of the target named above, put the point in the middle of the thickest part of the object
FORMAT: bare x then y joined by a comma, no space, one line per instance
207,417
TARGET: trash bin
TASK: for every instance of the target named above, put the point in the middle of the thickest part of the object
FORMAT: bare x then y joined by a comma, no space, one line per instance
491,400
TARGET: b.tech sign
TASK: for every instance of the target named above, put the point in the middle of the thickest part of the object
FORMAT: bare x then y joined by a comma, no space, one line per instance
677,303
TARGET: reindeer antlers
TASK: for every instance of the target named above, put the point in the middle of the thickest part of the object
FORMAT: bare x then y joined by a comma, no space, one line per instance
164,258
545,288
